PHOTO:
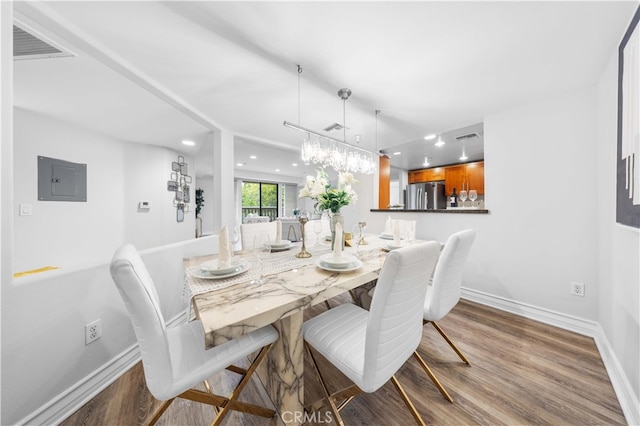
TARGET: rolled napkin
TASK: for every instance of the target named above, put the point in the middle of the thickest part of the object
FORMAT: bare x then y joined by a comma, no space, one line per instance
387,226
224,254
337,242
396,234
278,232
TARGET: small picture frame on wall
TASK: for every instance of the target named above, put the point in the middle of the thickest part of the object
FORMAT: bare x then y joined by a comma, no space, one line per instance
628,152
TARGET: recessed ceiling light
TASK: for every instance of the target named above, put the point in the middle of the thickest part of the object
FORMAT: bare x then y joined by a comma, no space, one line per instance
439,143
188,143
294,164
464,157
397,153
253,157
239,164
429,137
277,170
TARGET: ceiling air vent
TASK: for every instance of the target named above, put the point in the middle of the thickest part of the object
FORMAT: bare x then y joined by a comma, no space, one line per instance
467,136
28,46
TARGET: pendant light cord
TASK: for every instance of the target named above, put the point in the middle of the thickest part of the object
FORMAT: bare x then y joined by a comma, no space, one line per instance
344,119
299,72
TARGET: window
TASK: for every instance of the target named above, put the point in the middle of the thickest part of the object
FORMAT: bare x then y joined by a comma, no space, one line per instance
260,198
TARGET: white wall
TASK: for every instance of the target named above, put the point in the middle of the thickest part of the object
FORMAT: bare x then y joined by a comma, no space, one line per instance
538,235
618,246
119,175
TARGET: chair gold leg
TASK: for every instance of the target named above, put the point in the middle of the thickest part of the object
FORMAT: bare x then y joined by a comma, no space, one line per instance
345,395
326,302
332,405
433,377
407,401
231,402
454,347
208,389
160,411
238,370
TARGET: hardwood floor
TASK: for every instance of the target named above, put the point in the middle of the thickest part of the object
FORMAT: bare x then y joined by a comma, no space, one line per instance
522,373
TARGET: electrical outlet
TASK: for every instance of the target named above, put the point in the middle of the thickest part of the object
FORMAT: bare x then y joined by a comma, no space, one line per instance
92,331
576,288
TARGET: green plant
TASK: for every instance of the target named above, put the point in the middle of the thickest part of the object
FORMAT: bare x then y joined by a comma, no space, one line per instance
199,200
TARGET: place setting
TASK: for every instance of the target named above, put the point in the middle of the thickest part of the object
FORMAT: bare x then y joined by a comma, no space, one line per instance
279,244
338,260
225,266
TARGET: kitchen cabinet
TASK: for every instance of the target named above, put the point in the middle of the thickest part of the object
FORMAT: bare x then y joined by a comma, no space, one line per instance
426,175
470,174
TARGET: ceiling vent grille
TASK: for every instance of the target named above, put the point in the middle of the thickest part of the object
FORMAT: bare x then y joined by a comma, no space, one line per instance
467,136
28,46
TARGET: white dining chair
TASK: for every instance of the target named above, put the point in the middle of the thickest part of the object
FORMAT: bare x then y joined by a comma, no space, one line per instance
250,230
444,292
174,359
369,347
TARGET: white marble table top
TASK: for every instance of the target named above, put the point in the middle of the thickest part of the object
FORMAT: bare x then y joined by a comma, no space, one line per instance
229,312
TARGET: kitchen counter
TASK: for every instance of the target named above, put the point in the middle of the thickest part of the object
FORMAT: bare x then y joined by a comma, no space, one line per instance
456,211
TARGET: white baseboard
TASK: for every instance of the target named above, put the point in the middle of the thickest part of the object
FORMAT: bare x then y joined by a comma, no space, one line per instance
73,398
628,400
68,402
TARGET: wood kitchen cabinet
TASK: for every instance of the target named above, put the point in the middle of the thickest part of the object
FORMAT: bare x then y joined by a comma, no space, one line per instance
427,175
454,176
470,174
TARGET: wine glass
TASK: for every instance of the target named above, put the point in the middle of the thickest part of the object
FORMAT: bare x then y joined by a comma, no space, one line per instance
356,234
473,195
261,250
463,197
317,228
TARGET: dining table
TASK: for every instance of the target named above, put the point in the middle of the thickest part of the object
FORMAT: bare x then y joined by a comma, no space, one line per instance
233,304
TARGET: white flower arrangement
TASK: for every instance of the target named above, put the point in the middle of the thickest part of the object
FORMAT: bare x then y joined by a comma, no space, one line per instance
319,188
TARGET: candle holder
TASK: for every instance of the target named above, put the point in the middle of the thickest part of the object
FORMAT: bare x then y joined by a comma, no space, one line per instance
362,226
303,251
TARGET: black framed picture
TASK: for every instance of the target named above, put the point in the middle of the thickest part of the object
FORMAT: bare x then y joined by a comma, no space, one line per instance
628,158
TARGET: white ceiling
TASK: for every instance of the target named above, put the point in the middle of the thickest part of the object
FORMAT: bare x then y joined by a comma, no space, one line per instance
159,72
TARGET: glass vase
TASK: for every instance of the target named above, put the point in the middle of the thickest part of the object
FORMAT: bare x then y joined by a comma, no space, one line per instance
333,219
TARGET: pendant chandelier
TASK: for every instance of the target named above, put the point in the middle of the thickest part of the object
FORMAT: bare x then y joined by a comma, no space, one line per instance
326,151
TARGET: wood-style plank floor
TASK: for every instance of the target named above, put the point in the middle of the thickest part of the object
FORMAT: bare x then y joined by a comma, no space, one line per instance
522,373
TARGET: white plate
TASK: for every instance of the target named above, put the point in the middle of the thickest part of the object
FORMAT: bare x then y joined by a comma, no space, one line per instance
282,244
196,272
327,237
287,246
392,247
343,262
386,236
211,267
357,264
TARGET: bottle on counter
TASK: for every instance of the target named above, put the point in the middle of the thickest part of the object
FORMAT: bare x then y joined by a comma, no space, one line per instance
453,201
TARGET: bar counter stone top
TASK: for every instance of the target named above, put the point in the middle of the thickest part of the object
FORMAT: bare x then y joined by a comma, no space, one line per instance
455,211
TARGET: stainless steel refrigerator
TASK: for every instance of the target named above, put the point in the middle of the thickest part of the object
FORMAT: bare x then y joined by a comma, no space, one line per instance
426,196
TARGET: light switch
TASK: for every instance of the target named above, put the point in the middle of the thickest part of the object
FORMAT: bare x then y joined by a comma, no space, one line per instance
26,209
